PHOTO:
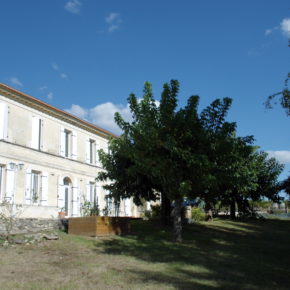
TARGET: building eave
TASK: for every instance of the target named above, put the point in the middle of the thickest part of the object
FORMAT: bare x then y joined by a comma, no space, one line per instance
37,104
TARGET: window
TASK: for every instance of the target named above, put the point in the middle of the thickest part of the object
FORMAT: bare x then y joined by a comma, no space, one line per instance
92,152
37,124
35,186
93,198
67,143
92,147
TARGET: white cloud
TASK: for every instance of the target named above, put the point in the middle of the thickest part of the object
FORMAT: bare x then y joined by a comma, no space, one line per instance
281,156
285,27
55,66
73,6
114,21
271,30
63,76
102,115
78,111
50,95
15,81
43,88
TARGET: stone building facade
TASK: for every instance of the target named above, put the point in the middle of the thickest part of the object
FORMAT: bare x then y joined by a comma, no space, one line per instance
49,159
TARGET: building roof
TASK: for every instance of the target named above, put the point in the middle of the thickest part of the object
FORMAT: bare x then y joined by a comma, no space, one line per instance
35,103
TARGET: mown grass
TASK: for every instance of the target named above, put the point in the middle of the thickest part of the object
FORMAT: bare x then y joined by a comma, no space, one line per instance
216,255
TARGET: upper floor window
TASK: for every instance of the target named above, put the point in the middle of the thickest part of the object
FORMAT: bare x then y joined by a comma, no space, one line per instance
3,121
92,151
37,125
92,155
68,143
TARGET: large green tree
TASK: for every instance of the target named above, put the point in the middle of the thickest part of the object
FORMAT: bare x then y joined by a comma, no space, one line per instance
164,149
175,153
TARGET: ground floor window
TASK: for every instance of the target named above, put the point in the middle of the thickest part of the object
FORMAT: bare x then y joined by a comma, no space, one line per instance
67,195
2,181
35,186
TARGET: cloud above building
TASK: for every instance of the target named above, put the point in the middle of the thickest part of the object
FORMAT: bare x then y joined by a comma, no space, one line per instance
282,156
102,115
15,81
73,6
284,28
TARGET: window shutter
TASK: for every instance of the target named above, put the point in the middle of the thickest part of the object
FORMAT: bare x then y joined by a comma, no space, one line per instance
44,189
35,132
97,154
28,187
74,145
75,199
60,198
87,150
10,182
41,134
3,121
128,209
62,142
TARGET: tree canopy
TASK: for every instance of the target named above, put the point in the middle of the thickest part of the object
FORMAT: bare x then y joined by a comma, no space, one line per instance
175,153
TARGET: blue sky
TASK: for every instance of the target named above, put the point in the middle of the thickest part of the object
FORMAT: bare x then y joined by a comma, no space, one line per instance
87,56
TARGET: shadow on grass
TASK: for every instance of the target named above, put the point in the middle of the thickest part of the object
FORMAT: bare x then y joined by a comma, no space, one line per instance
221,254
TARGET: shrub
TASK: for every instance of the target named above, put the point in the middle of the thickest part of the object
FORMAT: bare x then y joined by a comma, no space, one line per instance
198,214
156,211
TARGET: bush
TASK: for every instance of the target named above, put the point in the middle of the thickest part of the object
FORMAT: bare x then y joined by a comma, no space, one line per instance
154,213
198,214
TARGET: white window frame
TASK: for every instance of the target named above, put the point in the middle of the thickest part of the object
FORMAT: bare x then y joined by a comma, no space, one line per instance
36,180
67,143
92,151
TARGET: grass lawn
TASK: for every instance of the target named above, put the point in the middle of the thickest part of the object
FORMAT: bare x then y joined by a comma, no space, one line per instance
216,255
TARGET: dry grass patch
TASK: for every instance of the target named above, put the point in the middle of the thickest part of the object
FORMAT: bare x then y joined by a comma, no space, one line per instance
217,255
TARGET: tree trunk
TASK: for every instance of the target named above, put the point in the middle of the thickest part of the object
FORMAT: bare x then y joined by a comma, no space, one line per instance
233,209
165,209
208,210
177,223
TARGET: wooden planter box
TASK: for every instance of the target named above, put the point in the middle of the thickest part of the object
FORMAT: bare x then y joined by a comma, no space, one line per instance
94,226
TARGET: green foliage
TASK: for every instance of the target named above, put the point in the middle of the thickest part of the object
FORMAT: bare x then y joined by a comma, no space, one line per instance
260,204
284,96
198,214
154,213
180,153
285,185
90,209
9,213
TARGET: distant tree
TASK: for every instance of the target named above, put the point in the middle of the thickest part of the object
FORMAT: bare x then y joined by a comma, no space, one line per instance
284,96
285,185
267,171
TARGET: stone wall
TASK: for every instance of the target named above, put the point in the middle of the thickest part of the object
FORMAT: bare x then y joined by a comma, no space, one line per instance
32,225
